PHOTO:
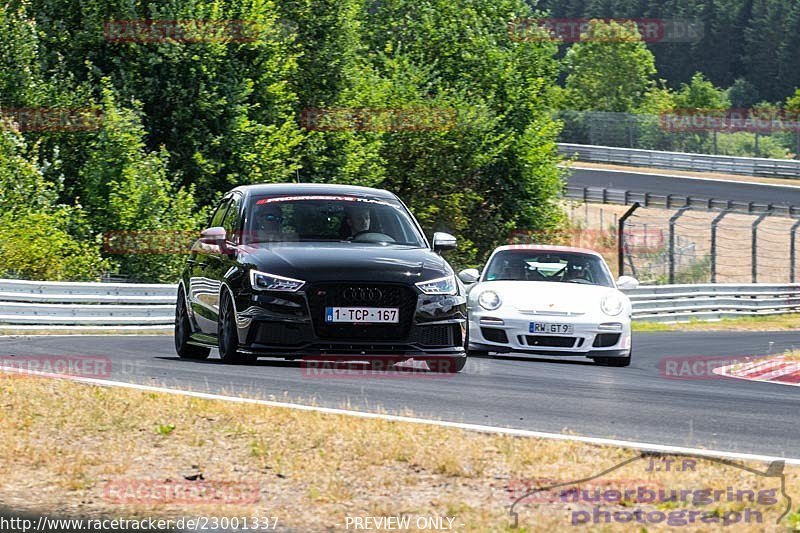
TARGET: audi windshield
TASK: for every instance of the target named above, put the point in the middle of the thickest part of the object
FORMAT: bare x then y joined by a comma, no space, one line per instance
329,218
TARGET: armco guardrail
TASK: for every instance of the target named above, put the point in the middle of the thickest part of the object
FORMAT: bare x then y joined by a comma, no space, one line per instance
748,166
675,303
52,303
603,195
48,303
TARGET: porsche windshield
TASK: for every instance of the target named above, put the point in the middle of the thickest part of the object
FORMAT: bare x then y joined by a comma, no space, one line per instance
535,265
329,218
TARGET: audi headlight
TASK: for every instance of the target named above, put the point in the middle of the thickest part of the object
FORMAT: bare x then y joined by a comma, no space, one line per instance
445,285
611,304
489,300
261,281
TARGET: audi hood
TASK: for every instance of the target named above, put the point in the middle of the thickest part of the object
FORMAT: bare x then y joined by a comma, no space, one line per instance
317,261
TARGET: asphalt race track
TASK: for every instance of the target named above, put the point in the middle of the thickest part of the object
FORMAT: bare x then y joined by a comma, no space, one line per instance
544,394
701,188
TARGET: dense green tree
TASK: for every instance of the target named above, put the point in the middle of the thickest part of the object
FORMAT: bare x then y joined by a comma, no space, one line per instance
19,65
763,35
195,118
493,169
742,94
793,102
700,93
755,40
611,69
222,106
130,192
39,239
700,96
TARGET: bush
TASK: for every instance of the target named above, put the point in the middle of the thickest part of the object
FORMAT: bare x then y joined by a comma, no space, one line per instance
743,144
129,189
37,245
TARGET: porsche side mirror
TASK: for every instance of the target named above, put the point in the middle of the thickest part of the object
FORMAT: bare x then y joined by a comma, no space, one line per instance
627,282
469,275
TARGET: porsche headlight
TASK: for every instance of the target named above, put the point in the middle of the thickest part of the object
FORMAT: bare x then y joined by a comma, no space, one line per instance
489,300
445,285
261,281
611,304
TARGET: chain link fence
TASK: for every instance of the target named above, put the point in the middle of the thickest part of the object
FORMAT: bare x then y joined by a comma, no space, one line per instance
685,242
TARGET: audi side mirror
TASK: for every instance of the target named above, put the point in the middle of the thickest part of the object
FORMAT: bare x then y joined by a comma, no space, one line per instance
444,241
215,236
212,240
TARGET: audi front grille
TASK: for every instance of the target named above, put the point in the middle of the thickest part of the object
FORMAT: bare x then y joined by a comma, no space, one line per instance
322,295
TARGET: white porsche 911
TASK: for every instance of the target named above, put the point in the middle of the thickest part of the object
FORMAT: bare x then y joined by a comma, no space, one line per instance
551,300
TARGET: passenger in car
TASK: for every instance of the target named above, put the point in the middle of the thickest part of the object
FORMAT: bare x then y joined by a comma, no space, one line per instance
268,220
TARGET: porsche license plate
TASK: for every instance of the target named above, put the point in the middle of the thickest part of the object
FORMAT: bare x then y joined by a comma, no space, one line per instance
551,329
363,315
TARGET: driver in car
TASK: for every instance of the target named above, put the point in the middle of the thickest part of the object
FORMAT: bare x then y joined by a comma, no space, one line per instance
577,273
358,219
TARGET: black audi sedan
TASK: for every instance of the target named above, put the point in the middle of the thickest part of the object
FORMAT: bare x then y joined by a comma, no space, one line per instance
320,271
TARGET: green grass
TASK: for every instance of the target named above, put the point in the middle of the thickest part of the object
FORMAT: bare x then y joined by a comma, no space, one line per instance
750,323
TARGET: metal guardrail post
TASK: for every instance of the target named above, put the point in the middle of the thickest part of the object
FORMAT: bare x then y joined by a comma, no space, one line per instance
754,245
714,224
792,250
674,218
620,234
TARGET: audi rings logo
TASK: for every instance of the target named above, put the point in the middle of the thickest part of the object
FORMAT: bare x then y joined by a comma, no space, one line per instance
362,294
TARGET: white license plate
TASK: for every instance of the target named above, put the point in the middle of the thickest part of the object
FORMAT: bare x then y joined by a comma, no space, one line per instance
551,329
363,315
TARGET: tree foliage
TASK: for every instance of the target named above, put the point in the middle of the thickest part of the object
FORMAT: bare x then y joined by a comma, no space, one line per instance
611,69
39,239
753,40
128,190
185,121
700,93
